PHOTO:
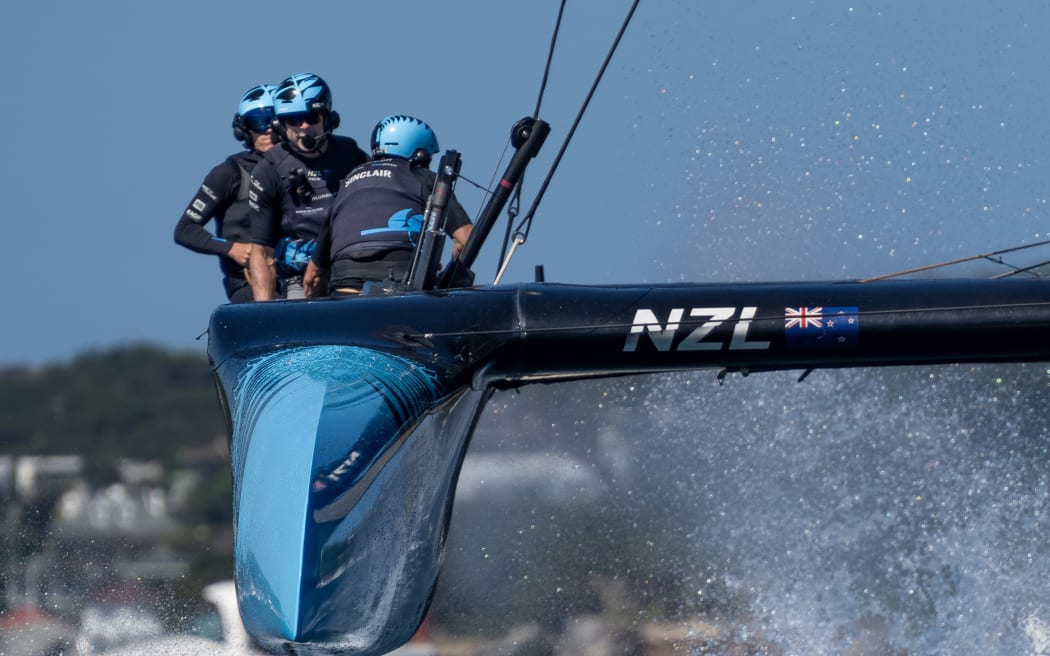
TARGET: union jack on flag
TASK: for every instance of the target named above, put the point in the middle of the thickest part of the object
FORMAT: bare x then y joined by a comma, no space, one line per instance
803,317
821,326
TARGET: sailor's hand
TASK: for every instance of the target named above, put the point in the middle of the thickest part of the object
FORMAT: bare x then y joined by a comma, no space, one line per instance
315,280
240,252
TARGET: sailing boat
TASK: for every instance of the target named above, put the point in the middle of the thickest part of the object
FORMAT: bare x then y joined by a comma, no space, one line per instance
349,418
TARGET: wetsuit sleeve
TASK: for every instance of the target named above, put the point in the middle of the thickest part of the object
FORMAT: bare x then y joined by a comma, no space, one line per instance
457,217
213,198
264,201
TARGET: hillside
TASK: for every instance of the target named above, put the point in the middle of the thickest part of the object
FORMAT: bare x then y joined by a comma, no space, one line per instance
136,402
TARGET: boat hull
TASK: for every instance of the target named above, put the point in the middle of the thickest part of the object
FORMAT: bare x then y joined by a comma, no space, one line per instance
350,418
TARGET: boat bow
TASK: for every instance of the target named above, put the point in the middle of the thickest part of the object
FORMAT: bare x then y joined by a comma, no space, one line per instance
349,418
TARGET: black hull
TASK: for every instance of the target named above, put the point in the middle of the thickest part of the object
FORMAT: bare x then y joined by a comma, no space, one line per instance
350,418
525,332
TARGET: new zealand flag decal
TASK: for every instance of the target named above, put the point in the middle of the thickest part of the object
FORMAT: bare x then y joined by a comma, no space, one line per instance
821,326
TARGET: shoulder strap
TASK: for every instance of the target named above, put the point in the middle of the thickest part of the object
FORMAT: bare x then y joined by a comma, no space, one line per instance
246,177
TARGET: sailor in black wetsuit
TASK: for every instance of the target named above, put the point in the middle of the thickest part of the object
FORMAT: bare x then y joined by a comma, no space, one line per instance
295,184
223,196
378,215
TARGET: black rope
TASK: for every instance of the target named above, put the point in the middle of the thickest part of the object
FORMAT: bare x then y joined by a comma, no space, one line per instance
526,223
550,58
515,200
492,180
487,190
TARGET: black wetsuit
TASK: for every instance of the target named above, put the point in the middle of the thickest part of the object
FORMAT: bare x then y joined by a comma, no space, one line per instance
376,221
285,203
223,196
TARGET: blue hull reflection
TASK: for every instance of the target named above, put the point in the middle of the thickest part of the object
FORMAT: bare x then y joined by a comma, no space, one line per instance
340,517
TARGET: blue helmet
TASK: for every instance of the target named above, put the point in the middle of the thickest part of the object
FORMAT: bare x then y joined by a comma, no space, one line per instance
404,136
254,113
256,98
302,93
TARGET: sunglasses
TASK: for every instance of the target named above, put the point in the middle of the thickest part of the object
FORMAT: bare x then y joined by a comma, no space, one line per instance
309,118
259,120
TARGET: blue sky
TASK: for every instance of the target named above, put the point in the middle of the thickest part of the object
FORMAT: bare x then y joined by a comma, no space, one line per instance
749,140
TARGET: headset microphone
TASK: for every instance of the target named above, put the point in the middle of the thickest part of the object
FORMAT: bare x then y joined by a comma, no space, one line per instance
311,142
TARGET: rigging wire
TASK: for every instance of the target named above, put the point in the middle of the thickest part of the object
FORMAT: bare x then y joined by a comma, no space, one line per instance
521,233
990,256
492,179
526,223
485,190
515,200
1019,270
550,58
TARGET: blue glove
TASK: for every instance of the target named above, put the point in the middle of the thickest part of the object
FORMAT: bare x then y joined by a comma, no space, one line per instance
292,255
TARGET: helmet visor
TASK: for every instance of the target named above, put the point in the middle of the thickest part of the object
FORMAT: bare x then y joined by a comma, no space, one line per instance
259,120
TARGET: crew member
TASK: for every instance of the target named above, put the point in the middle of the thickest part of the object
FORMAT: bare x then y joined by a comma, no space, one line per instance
294,186
223,196
378,215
